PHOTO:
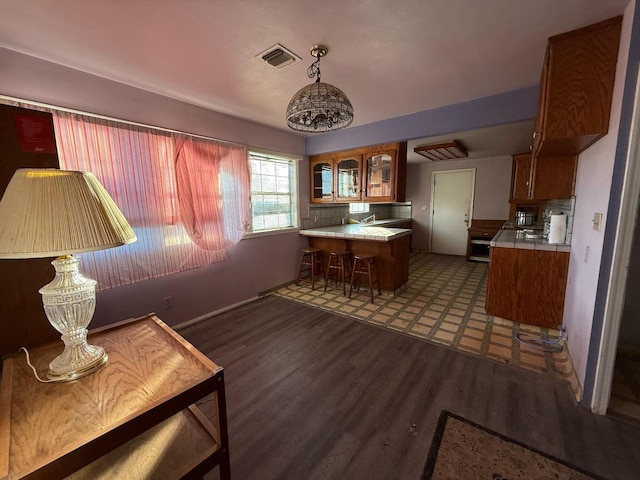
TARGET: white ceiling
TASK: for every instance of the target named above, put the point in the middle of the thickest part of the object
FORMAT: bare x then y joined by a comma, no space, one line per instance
391,57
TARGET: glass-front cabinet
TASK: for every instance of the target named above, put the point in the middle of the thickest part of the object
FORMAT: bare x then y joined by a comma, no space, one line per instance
348,178
322,180
368,174
379,177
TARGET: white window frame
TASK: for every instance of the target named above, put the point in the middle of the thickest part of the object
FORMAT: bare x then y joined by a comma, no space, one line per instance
293,194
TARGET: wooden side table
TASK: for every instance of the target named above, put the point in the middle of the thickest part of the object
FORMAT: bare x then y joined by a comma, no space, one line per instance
133,418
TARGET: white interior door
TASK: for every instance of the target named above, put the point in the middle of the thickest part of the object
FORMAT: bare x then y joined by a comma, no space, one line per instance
451,207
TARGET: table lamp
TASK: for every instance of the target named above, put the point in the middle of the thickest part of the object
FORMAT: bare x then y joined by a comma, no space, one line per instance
54,213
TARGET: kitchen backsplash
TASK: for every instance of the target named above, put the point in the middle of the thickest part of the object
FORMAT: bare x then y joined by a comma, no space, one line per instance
325,215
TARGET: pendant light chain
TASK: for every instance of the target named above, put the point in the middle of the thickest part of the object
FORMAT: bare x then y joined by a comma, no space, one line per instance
314,69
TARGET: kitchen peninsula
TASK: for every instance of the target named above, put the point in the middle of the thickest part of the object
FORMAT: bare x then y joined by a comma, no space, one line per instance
390,245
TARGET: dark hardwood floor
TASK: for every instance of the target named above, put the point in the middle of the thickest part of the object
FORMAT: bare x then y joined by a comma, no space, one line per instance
314,395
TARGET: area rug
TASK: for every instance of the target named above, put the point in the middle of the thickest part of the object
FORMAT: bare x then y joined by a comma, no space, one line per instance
463,450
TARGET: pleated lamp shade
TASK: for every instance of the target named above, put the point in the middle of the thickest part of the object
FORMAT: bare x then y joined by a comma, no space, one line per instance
49,212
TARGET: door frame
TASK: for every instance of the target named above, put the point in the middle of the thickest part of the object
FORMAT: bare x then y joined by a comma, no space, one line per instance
617,285
433,196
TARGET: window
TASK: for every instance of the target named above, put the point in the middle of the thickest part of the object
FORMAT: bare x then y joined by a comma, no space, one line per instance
274,197
358,208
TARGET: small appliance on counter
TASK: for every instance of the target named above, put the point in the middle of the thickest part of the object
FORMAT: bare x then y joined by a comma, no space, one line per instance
557,228
548,213
525,218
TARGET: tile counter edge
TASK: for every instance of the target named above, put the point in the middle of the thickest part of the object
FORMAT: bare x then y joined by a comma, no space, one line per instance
508,239
358,232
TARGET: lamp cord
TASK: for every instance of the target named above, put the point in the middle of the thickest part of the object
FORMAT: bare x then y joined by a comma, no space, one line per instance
26,352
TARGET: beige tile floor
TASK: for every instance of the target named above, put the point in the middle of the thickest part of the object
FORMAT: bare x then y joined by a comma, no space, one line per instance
443,302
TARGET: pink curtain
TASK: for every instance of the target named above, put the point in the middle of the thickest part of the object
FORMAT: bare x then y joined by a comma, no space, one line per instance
186,198
210,174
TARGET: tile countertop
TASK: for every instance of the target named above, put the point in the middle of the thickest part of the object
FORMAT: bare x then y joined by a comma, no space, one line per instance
511,239
376,231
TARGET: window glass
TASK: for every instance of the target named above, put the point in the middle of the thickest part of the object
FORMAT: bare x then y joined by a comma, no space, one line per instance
358,208
273,193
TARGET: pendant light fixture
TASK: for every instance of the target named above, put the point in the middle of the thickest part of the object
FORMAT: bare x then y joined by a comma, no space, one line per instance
319,107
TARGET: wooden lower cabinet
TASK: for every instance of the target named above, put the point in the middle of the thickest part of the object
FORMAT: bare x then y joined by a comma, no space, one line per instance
527,286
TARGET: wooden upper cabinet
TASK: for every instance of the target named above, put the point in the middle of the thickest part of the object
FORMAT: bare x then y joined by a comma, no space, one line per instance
542,178
369,174
576,89
521,176
553,177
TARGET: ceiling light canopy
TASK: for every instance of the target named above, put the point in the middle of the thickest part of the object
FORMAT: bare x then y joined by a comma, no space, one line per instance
319,107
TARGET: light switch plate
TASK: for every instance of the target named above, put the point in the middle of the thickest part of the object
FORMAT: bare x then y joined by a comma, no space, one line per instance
597,221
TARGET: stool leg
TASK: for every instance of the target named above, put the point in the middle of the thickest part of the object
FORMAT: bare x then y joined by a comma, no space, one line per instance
370,273
313,271
300,268
343,272
353,275
320,265
327,273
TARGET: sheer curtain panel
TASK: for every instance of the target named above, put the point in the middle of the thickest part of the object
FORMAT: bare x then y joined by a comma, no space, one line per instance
213,193
185,197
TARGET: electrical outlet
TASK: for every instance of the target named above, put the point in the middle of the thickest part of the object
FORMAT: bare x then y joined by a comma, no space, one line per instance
168,303
586,254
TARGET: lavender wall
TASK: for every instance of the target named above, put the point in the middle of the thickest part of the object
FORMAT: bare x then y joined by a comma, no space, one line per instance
36,80
256,264
596,355
491,198
593,190
500,109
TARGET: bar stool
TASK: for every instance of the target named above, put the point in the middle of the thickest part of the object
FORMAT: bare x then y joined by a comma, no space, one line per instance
311,261
364,265
338,266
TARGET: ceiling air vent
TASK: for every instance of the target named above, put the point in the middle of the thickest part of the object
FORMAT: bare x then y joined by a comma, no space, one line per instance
278,56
